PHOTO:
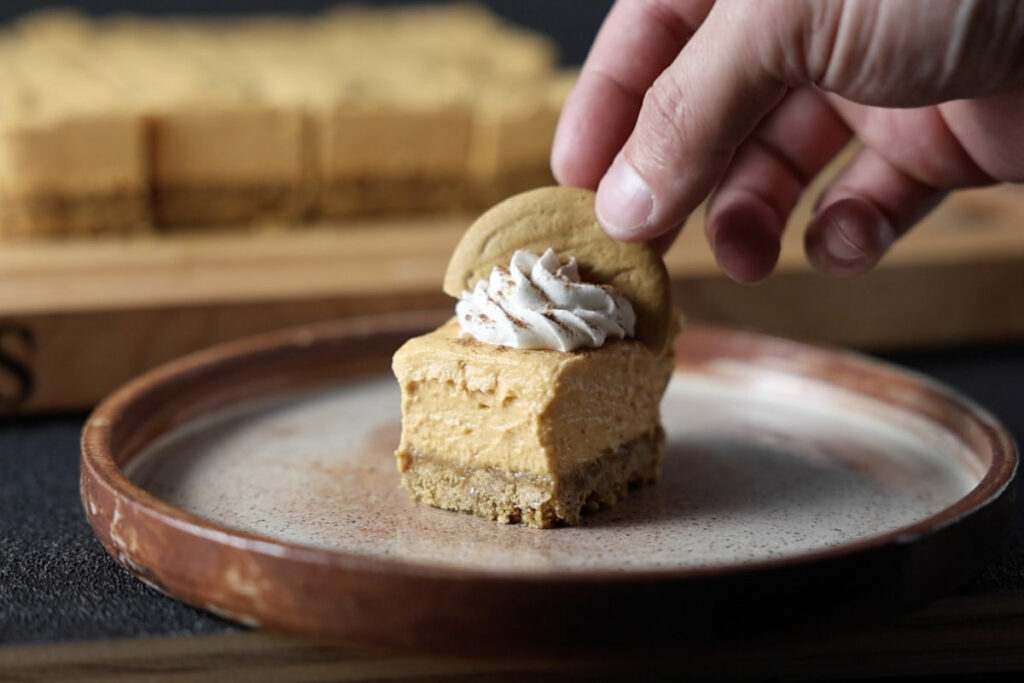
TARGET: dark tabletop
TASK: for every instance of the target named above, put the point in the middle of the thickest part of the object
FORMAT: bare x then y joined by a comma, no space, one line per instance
57,583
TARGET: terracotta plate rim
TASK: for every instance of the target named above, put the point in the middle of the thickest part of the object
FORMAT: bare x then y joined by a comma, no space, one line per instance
98,464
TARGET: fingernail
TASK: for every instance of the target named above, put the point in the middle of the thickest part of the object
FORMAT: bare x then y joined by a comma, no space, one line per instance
848,237
624,202
862,251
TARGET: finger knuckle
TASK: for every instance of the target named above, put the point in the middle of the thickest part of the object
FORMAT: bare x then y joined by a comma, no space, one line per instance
666,116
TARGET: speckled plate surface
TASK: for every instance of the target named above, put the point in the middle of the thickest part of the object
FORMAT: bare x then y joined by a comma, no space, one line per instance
800,484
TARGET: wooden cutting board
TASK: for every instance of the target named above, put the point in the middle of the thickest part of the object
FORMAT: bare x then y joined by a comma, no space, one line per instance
78,318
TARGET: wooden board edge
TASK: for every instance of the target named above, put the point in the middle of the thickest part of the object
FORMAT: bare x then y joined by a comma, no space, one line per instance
69,361
952,636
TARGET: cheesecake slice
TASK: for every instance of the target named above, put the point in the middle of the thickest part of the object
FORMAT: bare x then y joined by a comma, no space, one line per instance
72,154
528,435
540,398
511,134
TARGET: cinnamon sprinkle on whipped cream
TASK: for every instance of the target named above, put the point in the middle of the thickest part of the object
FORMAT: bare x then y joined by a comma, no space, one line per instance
538,302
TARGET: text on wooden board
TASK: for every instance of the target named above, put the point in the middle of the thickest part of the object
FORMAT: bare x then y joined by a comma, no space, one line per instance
17,380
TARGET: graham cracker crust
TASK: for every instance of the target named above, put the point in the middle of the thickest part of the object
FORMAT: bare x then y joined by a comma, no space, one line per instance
417,194
374,196
536,500
191,206
489,191
59,215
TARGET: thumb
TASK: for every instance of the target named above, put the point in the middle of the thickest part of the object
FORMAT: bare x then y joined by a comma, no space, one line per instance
725,80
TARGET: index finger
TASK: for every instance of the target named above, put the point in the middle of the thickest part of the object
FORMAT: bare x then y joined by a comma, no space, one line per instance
636,42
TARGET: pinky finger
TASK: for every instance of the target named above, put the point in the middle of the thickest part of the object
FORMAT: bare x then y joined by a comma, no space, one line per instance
862,212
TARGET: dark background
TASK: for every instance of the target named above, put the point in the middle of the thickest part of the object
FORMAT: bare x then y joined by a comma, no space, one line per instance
572,23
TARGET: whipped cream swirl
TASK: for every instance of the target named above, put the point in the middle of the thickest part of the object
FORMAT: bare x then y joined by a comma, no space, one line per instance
540,303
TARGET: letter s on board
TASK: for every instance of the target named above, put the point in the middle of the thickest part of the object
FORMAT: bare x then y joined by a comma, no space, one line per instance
17,381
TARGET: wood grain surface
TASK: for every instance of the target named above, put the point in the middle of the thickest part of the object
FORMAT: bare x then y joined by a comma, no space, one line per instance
953,636
78,318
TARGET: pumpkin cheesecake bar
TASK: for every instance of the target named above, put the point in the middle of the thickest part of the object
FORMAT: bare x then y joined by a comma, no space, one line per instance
220,152
393,146
72,158
540,398
512,129
533,436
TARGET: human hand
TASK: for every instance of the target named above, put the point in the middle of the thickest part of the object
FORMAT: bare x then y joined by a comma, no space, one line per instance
677,96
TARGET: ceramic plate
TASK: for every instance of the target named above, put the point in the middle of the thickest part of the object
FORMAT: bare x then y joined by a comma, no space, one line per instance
800,485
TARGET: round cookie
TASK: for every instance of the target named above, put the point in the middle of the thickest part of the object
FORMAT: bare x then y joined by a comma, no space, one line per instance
563,218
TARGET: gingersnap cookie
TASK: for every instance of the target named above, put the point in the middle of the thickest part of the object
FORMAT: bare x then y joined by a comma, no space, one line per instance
563,219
